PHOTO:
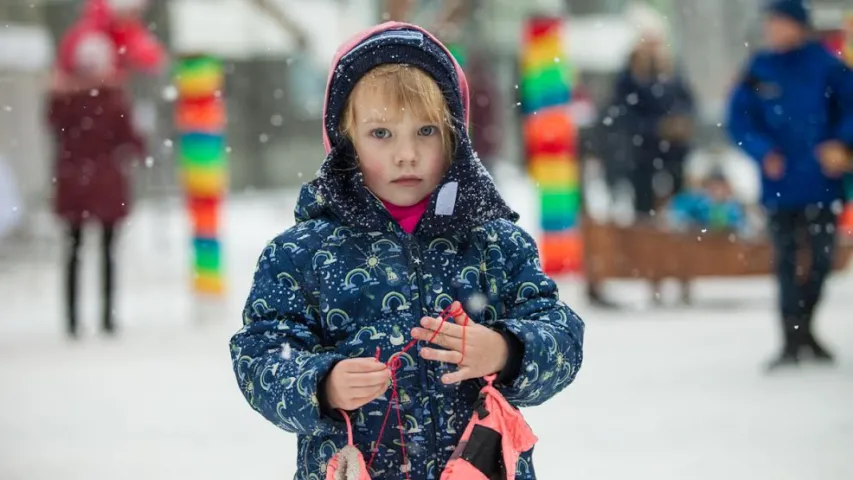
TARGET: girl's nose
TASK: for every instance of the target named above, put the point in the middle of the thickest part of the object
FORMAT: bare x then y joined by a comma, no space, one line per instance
406,154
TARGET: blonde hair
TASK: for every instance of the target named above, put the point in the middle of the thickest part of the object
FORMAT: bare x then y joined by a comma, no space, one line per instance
408,88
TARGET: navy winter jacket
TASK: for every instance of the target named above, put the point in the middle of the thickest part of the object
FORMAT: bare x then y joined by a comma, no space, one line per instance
641,108
347,279
790,103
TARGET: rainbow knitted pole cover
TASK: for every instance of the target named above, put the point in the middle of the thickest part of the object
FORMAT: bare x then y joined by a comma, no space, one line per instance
549,138
846,220
200,121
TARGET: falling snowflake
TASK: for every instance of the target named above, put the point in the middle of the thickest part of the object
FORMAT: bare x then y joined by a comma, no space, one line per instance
170,93
476,303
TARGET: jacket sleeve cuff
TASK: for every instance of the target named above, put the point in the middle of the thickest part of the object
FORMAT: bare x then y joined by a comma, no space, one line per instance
327,419
515,357
326,410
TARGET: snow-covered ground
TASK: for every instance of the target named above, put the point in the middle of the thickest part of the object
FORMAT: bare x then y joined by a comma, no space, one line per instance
671,393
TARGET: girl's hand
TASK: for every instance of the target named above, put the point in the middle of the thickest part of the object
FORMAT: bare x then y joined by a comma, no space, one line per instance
486,351
355,382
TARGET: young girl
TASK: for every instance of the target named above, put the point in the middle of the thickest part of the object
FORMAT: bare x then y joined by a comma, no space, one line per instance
402,221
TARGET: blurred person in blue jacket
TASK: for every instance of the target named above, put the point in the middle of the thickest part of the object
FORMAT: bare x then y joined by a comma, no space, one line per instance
792,112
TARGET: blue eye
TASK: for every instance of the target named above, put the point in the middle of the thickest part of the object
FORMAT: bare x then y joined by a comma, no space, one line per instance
428,130
380,133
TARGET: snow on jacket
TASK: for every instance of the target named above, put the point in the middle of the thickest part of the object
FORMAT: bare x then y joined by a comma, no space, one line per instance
347,279
790,103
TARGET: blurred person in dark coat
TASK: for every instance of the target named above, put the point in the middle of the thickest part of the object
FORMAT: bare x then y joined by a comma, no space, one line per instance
90,117
655,115
792,112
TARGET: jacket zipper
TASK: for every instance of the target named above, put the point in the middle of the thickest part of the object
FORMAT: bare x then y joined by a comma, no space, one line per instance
415,259
414,253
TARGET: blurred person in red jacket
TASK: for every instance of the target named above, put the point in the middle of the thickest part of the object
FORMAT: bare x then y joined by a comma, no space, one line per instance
90,116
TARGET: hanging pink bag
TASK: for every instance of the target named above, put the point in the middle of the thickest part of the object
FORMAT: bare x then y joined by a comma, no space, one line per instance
348,463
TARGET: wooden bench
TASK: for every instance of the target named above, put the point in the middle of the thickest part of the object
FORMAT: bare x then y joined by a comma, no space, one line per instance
651,253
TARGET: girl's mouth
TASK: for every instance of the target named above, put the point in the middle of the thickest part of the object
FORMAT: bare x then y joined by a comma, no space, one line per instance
407,181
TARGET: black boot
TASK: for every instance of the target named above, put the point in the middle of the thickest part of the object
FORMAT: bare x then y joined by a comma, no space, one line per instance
810,344
785,360
790,355
819,352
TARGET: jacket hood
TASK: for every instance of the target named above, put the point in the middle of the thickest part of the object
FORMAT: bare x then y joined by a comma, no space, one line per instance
466,197
373,39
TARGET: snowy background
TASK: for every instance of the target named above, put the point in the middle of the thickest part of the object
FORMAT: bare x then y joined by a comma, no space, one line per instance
669,393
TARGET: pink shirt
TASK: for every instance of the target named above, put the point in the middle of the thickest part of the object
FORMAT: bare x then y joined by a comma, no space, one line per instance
408,217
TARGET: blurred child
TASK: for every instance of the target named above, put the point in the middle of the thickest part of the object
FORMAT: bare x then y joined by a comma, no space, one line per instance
792,112
711,207
90,117
402,221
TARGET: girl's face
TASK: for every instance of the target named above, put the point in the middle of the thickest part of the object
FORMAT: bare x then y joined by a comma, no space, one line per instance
401,157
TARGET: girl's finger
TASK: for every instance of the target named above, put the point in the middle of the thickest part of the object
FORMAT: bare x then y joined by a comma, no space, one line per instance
449,329
460,321
448,356
368,380
365,399
366,389
464,373
440,339
365,395
380,390
362,365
